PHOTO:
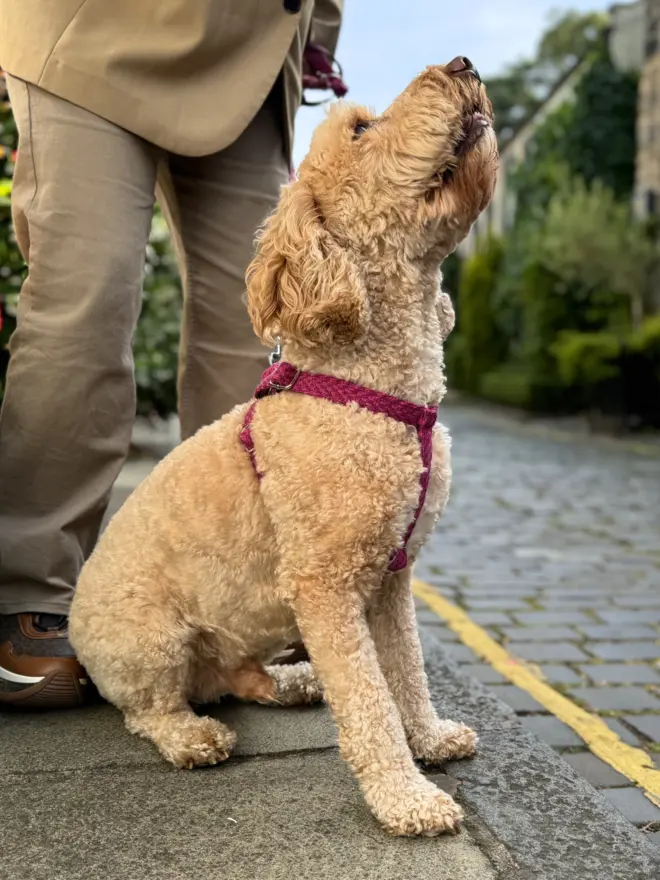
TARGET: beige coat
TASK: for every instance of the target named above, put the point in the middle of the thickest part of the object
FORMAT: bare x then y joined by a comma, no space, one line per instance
187,75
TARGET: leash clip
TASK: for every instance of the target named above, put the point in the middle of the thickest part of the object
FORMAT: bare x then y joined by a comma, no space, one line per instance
276,354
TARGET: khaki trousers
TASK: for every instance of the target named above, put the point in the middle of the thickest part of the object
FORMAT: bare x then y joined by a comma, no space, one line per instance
83,199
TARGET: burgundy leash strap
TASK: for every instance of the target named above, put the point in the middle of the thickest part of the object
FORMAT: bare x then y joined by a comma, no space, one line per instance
283,376
322,72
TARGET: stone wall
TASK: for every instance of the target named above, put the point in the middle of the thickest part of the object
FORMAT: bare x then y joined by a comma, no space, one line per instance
647,184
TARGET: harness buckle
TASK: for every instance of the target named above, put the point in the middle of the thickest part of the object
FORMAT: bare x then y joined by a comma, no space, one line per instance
288,387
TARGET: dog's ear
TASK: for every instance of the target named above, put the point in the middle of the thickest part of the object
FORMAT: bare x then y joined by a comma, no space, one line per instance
446,314
301,284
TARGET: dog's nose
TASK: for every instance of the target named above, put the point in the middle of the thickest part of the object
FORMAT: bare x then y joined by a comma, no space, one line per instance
461,64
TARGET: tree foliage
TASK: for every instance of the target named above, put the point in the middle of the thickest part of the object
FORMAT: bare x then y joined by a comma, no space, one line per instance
591,137
590,241
523,87
599,138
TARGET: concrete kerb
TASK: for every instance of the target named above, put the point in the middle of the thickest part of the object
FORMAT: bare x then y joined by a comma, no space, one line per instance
552,823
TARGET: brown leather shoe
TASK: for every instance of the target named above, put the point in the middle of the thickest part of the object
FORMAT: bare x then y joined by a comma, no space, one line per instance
38,666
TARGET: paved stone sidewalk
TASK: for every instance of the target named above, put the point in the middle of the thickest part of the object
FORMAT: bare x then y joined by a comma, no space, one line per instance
82,798
554,548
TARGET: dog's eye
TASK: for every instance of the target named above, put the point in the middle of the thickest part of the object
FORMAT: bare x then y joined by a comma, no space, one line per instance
359,129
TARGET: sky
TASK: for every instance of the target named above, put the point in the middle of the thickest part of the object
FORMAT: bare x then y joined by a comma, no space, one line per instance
385,43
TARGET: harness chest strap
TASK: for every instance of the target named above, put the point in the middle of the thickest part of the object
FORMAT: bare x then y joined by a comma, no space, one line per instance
283,376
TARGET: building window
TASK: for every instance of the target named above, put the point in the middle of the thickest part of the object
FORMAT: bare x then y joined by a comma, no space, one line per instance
652,41
652,203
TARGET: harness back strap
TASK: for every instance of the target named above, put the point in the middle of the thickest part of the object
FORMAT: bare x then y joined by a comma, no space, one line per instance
283,376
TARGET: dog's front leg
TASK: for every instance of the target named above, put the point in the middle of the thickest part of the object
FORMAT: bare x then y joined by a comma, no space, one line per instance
371,736
394,628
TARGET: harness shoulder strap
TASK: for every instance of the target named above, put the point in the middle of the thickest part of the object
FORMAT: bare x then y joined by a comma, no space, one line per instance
282,376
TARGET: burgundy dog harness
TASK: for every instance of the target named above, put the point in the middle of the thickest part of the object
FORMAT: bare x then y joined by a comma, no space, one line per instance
282,376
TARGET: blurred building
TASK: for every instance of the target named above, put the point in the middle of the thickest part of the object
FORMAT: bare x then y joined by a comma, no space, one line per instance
647,177
627,35
634,39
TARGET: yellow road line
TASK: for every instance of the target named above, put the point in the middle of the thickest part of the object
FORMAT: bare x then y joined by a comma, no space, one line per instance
633,763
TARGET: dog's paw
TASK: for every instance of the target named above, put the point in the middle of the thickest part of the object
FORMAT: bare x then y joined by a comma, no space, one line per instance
424,811
295,685
200,744
445,741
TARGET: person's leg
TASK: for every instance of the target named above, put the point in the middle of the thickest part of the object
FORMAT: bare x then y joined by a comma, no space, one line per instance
215,205
82,201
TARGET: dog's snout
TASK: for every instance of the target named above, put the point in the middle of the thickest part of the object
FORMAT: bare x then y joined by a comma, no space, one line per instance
459,64
463,65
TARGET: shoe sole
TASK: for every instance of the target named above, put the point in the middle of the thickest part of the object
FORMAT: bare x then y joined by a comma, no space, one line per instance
58,690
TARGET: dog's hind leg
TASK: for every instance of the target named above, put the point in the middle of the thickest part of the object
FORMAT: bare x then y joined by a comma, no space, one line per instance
289,685
295,685
146,676
394,627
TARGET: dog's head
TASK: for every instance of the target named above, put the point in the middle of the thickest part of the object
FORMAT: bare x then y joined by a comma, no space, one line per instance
374,193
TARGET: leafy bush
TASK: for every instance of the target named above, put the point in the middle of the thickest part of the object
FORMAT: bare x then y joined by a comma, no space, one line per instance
590,240
576,272
646,340
451,274
156,342
512,384
12,267
615,375
478,346
508,384
587,358
643,364
11,274
456,360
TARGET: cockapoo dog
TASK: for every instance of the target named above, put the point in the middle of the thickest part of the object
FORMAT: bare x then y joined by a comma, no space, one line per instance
224,555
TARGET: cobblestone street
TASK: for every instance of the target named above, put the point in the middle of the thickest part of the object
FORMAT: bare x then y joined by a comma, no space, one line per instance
554,549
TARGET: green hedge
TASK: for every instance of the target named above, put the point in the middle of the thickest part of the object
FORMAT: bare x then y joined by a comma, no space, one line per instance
617,375
12,271
156,342
513,384
646,340
614,374
587,358
478,345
